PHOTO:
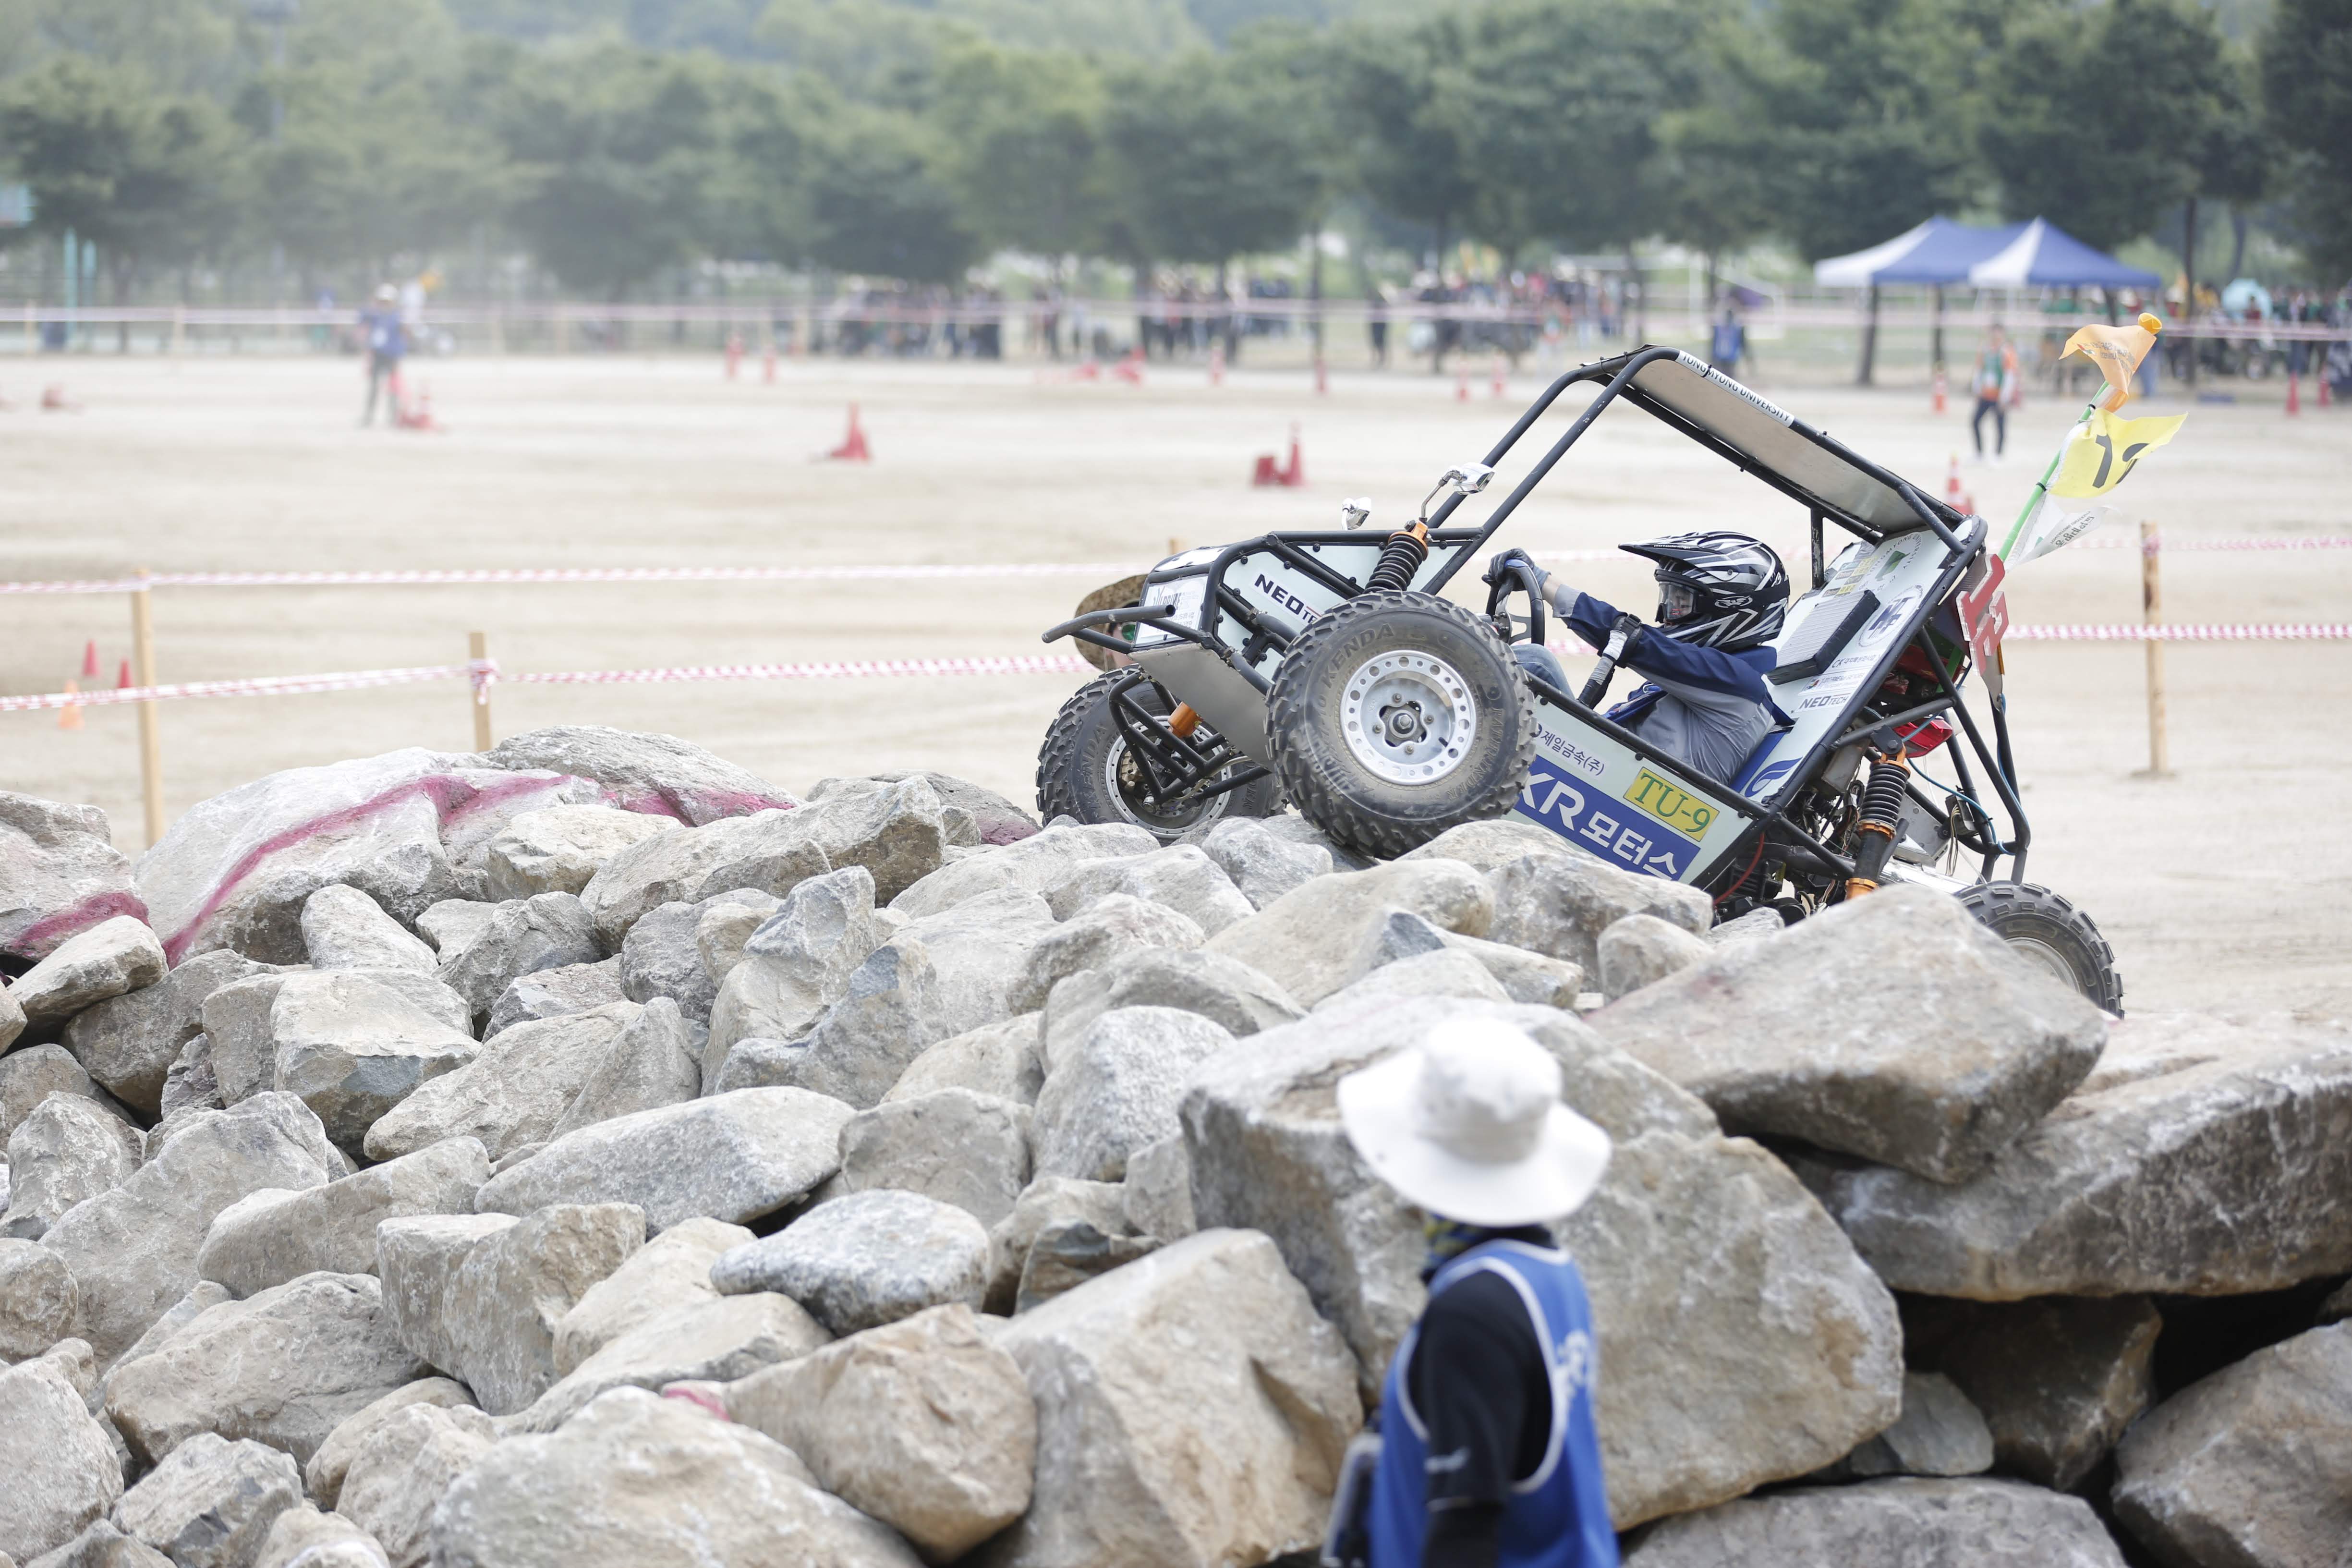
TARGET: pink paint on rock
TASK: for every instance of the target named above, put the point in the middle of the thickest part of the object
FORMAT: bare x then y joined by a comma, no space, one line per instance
702,806
41,938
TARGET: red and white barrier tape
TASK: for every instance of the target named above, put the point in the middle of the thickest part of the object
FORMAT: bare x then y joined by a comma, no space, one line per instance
2337,631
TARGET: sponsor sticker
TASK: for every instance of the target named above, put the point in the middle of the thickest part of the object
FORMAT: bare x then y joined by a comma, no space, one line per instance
1597,824
1672,805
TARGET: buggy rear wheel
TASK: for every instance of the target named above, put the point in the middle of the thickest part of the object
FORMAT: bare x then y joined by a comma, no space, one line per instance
1397,716
1086,769
2051,933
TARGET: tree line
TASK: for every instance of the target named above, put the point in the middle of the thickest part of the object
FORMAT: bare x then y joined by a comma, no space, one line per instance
915,150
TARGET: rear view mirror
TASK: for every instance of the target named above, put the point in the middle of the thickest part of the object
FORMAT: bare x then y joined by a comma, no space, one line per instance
1462,480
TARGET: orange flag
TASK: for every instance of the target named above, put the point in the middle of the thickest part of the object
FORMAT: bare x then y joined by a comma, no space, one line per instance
2116,351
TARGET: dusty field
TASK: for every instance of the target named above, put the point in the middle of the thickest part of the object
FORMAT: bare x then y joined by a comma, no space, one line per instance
2224,884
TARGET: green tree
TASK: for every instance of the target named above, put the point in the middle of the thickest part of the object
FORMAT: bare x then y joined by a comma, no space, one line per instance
2307,75
1404,151
1215,159
1021,139
1711,179
877,203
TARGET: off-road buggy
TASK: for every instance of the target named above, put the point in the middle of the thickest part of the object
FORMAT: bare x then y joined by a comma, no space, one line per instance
1328,668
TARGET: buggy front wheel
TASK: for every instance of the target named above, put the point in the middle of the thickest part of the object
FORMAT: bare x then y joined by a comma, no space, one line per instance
1086,770
2051,933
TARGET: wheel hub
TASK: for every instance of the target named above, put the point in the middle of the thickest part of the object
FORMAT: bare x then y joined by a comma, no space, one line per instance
2045,957
1409,717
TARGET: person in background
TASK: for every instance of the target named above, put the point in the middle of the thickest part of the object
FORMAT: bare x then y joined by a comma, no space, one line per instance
1375,322
385,339
1488,1456
1728,344
1996,368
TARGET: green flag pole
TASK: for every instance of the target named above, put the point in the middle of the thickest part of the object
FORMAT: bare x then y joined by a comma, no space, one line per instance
2033,501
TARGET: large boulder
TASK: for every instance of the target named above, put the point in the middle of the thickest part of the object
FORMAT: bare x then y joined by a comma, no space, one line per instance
29,1075
734,1157
284,1367
399,1468
653,776
133,1250
1441,973
513,1092
128,1043
557,849
1306,940
1181,878
102,1545
2251,1466
1000,1060
1118,1088
211,1504
1493,843
1642,950
1047,1203
1191,1408
1037,864
106,959
1742,1340
1559,904
1940,1433
271,1236
2202,1157
1915,1524
662,954
68,1148
553,993
342,927
636,1479
2059,1378
796,964
980,951
479,1297
961,1147
898,832
716,1340
242,1021
323,1475
1262,867
39,1300
865,1260
655,1060
725,926
59,875
522,936
991,818
671,1270
1777,1038
62,1471
1224,990
353,1044
922,1424
1523,976
302,1537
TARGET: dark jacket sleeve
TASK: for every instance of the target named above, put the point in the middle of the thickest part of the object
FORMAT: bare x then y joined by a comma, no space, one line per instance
1683,667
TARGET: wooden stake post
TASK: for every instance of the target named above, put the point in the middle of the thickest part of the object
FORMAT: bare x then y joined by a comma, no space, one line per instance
2151,599
477,649
151,739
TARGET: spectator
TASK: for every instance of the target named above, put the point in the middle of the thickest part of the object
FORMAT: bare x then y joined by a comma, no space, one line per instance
386,340
1995,375
1728,345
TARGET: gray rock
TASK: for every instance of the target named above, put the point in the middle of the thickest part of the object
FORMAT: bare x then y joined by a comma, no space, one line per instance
67,1149
1755,925
284,1367
2200,1158
129,1043
102,1545
1224,990
342,927
1696,1249
1642,950
59,874
866,1259
190,1084
513,1092
12,1020
1559,904
979,950
1180,878
660,775
993,819
271,1236
211,1504
636,1480
547,930
962,1148
1262,867
1523,976
726,925
2251,1466
1192,1407
133,1250
106,960
1441,973
325,1472
1290,827
242,1019
304,1536
660,956
921,1423
1037,864
202,1298
898,832
1066,1255
1047,1203
1157,1197
401,1466
29,1075
1306,940
1939,1433
881,1023
1918,1524
454,924
1119,1089
553,993
479,1297
796,964
721,1338
353,1047
39,1301
558,848
1757,1032
62,1472
734,1157
657,1060
997,1059
2336,1308
669,1271
1112,926
2059,1378
1493,843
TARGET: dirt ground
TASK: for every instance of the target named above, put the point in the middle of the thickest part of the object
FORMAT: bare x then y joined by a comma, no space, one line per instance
2224,884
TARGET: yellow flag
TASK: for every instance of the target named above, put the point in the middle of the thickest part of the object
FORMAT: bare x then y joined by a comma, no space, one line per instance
2103,449
2116,351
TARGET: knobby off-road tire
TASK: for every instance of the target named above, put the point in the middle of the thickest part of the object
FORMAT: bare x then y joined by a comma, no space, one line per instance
1084,771
1397,716
2045,928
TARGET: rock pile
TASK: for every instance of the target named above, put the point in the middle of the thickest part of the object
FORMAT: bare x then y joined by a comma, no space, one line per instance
588,1154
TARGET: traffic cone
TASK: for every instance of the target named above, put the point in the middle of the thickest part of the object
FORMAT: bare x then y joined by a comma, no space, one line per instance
89,659
1130,368
122,677
2327,389
1952,496
852,450
734,352
768,364
69,716
1939,389
2294,394
1501,371
1296,474
54,399
1461,385
1216,364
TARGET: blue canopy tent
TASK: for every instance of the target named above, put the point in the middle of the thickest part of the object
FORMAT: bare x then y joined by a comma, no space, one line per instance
2041,254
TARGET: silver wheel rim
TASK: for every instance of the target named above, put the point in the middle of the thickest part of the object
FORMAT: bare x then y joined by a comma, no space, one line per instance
1210,810
2045,955
1409,717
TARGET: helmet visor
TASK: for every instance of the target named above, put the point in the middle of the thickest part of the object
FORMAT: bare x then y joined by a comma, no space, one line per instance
1676,601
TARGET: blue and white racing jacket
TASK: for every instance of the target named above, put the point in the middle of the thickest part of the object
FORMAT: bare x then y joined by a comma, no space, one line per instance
1703,707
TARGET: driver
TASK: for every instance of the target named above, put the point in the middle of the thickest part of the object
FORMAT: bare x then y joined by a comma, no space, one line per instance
1721,596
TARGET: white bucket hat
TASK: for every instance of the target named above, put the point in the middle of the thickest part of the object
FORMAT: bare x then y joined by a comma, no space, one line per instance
1468,1125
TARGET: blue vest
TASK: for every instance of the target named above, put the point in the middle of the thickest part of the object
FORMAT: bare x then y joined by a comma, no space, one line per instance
1557,1518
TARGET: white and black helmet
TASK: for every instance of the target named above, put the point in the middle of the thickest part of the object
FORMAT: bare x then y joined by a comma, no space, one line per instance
1718,589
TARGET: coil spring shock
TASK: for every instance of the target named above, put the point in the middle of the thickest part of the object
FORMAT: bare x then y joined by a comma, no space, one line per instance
1882,816
1400,557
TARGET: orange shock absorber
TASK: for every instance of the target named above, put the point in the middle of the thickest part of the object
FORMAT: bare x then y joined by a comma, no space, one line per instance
1882,818
1183,722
